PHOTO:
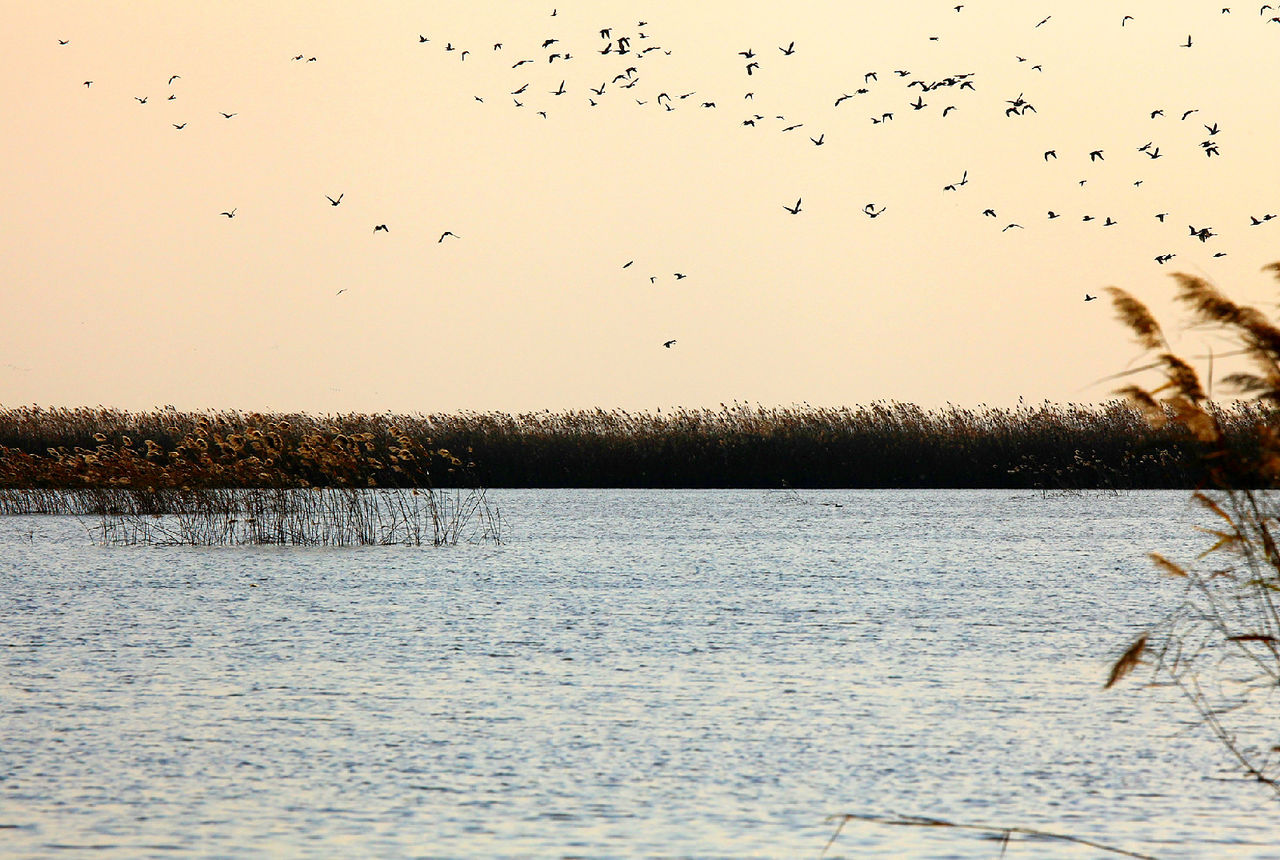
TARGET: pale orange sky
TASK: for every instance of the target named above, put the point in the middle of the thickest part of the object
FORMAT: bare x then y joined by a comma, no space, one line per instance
123,285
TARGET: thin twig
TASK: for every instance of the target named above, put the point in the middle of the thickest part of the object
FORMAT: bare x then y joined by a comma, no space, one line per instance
1004,832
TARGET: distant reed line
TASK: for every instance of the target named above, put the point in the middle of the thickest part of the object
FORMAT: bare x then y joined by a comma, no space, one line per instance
882,445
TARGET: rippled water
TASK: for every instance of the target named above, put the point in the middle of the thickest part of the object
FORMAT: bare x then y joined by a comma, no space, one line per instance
634,673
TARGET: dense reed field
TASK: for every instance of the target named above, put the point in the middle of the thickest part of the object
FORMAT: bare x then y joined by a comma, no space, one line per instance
888,444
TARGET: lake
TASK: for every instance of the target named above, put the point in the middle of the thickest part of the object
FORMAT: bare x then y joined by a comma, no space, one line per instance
630,674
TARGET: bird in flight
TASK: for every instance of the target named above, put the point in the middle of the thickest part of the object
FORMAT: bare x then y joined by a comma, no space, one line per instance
446,233
668,344
382,227
88,83
1089,298
173,78
230,214
227,115
680,276
333,202
818,141
789,49
964,180
793,210
179,127
628,263
142,100
64,41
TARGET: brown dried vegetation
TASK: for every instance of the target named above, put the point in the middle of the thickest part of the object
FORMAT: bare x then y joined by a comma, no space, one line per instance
1219,645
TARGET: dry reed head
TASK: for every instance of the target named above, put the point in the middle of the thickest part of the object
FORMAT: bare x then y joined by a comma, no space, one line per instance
1140,321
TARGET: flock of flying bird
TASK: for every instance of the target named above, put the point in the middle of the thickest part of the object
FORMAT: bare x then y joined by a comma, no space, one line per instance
632,50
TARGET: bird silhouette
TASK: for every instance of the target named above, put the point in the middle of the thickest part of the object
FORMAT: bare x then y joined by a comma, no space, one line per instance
333,202
818,141
173,78
179,127
794,210
446,233
668,344
230,214
680,276
1089,298
227,115
789,49
1096,155
382,227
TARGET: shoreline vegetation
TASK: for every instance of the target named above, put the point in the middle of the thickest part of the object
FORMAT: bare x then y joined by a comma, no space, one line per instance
1048,447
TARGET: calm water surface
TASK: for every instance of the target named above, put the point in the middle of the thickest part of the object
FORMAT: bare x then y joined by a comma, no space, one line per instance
633,673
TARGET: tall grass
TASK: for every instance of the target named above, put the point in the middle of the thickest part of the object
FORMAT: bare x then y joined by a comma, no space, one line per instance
884,444
1221,645
232,479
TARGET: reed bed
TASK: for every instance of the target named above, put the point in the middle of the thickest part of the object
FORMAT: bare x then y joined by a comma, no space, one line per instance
311,517
884,444
228,478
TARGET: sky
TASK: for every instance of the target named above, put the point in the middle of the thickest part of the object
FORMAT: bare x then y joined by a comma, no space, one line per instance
124,285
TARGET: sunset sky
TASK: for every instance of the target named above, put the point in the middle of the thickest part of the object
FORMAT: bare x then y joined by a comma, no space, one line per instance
125,286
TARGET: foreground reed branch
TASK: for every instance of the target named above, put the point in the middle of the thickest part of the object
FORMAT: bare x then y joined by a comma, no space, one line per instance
1220,646
1004,833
